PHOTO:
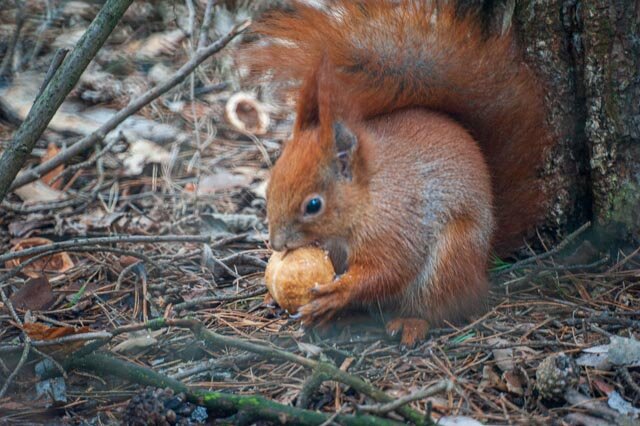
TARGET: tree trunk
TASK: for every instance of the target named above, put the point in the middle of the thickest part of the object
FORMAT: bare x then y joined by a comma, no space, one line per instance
588,54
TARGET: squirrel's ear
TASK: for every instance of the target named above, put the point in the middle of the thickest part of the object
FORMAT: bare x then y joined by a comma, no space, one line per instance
345,146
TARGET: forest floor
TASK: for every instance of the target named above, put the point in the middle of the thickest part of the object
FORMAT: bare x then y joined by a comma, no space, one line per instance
166,220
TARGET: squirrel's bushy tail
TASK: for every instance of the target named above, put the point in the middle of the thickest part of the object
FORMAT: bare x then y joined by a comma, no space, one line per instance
387,55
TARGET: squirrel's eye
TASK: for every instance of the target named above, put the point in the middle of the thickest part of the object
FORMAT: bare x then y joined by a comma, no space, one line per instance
313,206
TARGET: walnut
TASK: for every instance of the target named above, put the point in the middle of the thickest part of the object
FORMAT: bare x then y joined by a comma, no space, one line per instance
291,275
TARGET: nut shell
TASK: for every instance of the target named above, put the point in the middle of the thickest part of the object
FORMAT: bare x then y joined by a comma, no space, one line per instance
291,275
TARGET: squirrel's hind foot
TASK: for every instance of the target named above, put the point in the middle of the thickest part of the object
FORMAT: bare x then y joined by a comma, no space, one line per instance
413,330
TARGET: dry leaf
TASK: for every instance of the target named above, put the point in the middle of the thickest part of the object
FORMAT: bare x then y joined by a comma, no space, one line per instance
603,387
142,152
157,44
309,349
55,264
20,228
38,192
97,219
516,381
621,351
7,405
260,190
507,358
128,260
221,181
139,340
490,379
52,151
35,295
622,406
39,331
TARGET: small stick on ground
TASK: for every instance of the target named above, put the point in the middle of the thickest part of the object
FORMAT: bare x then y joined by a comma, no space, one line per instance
80,242
564,243
443,386
23,359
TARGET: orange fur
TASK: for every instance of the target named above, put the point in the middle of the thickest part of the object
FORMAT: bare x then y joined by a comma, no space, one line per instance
413,208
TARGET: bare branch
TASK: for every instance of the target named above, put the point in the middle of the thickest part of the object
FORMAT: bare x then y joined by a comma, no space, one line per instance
135,106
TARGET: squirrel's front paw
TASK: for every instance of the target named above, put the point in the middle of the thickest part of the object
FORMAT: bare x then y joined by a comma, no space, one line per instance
328,300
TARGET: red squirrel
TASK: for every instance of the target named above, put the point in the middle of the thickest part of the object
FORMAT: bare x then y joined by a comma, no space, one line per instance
415,153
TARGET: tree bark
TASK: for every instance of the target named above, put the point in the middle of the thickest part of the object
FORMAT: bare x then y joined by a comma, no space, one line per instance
588,54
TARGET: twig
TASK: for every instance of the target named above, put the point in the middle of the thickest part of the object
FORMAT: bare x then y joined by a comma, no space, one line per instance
80,242
5,66
570,238
46,23
206,300
8,304
243,259
124,273
27,341
87,163
18,208
443,386
137,104
23,359
310,385
626,376
63,81
51,360
82,337
214,363
206,23
622,322
58,57
16,270
597,407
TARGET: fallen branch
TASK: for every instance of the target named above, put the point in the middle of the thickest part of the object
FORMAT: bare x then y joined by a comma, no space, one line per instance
251,407
330,372
135,106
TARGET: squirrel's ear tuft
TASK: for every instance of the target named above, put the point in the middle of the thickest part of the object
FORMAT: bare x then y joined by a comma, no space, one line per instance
345,146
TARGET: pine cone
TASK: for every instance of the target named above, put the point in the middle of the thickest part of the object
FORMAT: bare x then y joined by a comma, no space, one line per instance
555,374
159,407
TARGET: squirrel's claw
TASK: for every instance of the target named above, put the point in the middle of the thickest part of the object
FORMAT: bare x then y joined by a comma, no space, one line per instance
327,301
